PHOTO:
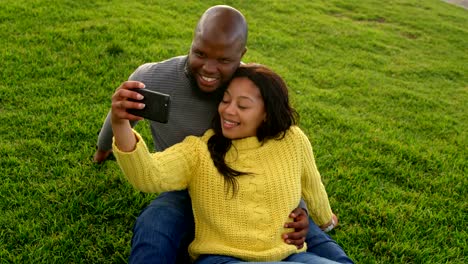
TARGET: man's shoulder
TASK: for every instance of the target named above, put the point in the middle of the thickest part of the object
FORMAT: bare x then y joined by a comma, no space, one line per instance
161,65
163,73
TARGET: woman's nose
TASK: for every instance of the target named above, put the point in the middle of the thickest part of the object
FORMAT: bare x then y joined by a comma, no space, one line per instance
230,109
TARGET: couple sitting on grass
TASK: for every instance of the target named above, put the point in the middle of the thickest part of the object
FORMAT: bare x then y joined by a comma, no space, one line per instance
253,164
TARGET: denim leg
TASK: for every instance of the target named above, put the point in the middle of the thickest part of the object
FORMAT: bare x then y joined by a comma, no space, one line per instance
322,245
309,258
216,259
219,259
163,230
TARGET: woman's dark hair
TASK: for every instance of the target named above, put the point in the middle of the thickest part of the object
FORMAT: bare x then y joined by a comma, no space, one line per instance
279,117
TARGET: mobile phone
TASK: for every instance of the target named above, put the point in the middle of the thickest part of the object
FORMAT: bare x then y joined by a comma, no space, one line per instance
156,105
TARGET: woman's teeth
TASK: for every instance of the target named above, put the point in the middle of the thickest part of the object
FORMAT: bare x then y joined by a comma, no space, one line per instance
230,123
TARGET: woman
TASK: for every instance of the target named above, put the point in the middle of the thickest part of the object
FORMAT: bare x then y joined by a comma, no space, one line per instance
254,164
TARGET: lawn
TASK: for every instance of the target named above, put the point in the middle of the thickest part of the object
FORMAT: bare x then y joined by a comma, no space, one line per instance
381,87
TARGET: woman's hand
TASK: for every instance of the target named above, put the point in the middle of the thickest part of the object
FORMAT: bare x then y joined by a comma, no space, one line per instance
120,102
124,138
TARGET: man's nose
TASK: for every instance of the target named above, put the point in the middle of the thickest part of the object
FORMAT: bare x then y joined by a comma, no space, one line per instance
210,66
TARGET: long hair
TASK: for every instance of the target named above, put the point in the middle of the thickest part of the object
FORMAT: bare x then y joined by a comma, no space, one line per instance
279,117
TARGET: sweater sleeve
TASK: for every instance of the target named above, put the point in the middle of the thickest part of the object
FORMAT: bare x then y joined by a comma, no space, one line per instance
313,190
160,171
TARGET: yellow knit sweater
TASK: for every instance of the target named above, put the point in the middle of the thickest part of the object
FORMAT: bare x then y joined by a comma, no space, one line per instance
248,226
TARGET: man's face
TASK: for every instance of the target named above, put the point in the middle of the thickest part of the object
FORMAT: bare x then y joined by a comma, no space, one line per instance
212,61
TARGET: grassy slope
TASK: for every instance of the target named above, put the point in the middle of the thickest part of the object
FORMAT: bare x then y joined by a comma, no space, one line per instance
381,88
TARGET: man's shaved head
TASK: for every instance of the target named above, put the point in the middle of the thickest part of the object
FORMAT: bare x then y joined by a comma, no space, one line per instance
225,22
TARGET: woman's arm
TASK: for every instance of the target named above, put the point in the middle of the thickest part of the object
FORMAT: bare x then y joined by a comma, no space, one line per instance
330,225
313,191
124,138
169,170
157,172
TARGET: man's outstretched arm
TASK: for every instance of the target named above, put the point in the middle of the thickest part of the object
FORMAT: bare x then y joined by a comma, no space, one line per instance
104,143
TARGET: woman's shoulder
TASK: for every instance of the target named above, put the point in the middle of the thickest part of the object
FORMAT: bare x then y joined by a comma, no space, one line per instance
297,136
295,131
203,139
207,135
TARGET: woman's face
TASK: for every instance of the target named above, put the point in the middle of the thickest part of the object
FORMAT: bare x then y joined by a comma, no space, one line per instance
242,109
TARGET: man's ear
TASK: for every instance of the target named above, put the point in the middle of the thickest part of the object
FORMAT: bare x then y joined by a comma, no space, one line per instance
245,50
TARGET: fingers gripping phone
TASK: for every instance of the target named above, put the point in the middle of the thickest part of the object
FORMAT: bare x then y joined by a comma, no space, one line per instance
156,106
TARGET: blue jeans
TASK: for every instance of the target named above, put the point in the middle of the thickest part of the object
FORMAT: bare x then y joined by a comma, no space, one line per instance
305,257
165,228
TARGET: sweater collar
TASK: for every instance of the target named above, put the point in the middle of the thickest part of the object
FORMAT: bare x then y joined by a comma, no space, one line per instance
246,143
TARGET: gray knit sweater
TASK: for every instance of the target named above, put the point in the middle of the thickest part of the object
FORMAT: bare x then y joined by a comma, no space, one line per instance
191,110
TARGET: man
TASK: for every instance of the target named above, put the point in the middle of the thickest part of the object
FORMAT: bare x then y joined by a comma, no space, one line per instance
195,83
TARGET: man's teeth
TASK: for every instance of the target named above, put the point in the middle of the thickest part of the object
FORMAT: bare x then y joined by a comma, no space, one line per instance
208,79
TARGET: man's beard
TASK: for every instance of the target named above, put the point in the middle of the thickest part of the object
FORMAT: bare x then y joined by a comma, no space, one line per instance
189,73
191,76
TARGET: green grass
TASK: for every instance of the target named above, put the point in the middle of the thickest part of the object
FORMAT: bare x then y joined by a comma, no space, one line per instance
381,86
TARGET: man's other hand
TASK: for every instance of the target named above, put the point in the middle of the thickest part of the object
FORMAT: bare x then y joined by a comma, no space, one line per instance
101,155
301,227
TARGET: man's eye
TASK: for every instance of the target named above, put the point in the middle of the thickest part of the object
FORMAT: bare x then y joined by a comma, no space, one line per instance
225,61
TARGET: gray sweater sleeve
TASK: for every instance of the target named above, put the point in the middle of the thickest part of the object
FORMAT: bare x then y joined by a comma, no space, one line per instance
105,135
303,205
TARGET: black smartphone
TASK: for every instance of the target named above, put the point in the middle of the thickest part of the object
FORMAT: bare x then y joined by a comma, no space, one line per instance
156,106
